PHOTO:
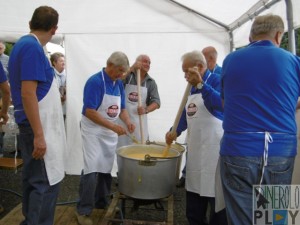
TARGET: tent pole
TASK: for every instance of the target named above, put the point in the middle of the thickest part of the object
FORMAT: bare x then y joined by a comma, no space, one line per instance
291,31
201,15
231,41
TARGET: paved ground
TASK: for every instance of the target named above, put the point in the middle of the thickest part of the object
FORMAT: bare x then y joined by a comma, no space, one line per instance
10,192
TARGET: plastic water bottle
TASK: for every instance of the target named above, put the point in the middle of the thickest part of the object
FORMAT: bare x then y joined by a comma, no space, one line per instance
11,126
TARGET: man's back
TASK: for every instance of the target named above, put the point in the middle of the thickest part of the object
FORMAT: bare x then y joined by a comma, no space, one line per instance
261,89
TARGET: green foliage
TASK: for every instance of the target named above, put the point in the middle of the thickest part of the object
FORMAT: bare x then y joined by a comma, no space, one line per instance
8,48
285,41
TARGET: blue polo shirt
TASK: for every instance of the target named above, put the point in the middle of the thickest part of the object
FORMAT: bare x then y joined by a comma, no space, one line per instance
94,90
211,98
260,88
28,62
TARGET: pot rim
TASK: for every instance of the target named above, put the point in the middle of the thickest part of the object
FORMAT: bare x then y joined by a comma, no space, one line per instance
123,148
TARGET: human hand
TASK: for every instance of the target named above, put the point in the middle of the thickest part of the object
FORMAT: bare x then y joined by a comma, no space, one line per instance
193,76
130,127
3,118
170,137
119,129
137,65
142,110
40,147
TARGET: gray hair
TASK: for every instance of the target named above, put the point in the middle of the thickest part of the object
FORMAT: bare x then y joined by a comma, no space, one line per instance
266,26
195,57
118,59
140,57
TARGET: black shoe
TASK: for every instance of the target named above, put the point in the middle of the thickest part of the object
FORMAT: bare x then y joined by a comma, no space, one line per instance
181,182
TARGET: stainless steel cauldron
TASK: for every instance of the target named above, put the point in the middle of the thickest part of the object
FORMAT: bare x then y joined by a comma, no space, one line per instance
144,174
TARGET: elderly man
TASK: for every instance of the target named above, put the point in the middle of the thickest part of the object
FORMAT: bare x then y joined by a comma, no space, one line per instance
211,55
103,104
260,88
203,118
149,97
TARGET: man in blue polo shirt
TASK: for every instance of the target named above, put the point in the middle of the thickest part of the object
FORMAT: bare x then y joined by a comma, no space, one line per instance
260,88
38,113
202,116
103,104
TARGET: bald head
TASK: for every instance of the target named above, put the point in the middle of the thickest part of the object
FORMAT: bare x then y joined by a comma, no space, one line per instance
145,63
211,55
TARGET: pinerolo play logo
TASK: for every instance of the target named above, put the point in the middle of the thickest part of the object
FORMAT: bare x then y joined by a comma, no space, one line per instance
276,204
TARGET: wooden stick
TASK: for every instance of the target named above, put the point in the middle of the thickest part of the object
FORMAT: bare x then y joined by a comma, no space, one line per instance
178,115
140,104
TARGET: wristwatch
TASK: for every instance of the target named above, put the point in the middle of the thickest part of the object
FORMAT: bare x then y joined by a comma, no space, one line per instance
199,86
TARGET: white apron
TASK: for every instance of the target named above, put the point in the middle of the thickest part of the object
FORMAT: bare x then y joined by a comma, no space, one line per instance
204,135
131,106
54,131
99,143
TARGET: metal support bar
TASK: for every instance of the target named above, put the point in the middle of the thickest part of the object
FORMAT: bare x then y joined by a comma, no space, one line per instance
111,211
290,22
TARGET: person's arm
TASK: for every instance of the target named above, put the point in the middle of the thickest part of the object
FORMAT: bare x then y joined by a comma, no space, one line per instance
153,99
132,69
182,126
150,108
95,116
211,93
31,108
5,89
124,116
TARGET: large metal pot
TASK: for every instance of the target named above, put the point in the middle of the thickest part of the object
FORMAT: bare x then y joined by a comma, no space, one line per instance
178,147
150,177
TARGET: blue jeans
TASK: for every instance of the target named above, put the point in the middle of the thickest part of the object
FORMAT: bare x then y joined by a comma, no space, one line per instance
238,174
39,198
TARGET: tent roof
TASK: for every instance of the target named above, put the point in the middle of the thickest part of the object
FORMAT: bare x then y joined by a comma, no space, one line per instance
78,17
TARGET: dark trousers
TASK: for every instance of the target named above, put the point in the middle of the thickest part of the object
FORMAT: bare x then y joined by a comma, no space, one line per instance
94,190
103,190
39,198
196,209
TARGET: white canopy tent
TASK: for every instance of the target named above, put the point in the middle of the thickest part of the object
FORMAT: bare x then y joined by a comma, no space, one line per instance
164,29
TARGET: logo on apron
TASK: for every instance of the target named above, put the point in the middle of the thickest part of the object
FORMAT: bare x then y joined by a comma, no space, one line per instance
112,111
133,97
191,109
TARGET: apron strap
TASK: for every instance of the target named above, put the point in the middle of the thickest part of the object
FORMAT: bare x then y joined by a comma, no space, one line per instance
268,139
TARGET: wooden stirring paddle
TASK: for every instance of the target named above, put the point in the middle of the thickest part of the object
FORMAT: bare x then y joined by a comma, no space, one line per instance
179,112
140,104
